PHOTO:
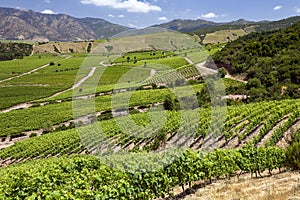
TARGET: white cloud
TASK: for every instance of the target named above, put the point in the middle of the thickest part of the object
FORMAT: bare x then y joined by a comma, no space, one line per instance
187,11
134,6
121,16
111,15
20,8
209,15
297,10
162,19
50,12
277,7
132,25
47,1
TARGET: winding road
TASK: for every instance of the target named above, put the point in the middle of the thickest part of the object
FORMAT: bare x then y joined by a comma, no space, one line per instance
207,71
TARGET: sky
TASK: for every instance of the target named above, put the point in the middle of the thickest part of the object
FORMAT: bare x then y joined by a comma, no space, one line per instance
143,13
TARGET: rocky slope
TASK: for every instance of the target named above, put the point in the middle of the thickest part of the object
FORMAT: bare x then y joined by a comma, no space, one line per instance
30,25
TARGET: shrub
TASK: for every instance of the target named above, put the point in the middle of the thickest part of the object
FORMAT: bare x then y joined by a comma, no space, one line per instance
293,156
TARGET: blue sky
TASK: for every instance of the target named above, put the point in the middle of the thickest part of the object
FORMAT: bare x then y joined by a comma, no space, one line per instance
142,13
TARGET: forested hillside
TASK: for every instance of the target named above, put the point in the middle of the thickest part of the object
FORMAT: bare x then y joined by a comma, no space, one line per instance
9,51
270,61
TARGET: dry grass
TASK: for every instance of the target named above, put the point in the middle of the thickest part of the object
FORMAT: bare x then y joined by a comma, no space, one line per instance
164,40
63,47
277,187
226,35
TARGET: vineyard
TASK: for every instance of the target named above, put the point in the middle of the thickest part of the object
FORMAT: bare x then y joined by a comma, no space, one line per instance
86,177
134,120
261,124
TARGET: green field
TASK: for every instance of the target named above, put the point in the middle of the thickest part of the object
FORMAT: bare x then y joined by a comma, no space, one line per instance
41,83
16,67
137,56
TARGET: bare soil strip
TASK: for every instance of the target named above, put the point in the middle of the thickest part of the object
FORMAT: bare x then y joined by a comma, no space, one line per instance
283,142
270,133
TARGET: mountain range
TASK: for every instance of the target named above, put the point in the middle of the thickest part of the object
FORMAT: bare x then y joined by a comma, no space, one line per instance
188,25
29,25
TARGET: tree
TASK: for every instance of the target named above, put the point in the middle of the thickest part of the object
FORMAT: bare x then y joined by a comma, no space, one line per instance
253,83
89,48
222,72
203,97
56,49
171,103
109,48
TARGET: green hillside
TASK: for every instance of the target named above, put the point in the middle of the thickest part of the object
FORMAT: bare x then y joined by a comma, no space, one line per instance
270,61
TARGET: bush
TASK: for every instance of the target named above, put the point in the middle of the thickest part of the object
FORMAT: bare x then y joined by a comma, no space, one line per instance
222,72
293,156
51,63
171,103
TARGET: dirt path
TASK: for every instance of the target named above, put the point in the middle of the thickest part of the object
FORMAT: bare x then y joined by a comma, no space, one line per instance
277,187
207,71
269,134
152,73
283,142
28,104
16,107
30,72
24,105
76,85
32,52
235,78
103,64
204,70
84,120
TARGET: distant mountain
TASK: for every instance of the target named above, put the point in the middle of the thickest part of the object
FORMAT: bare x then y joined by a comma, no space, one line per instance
30,25
103,28
241,22
202,27
186,25
244,27
284,23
